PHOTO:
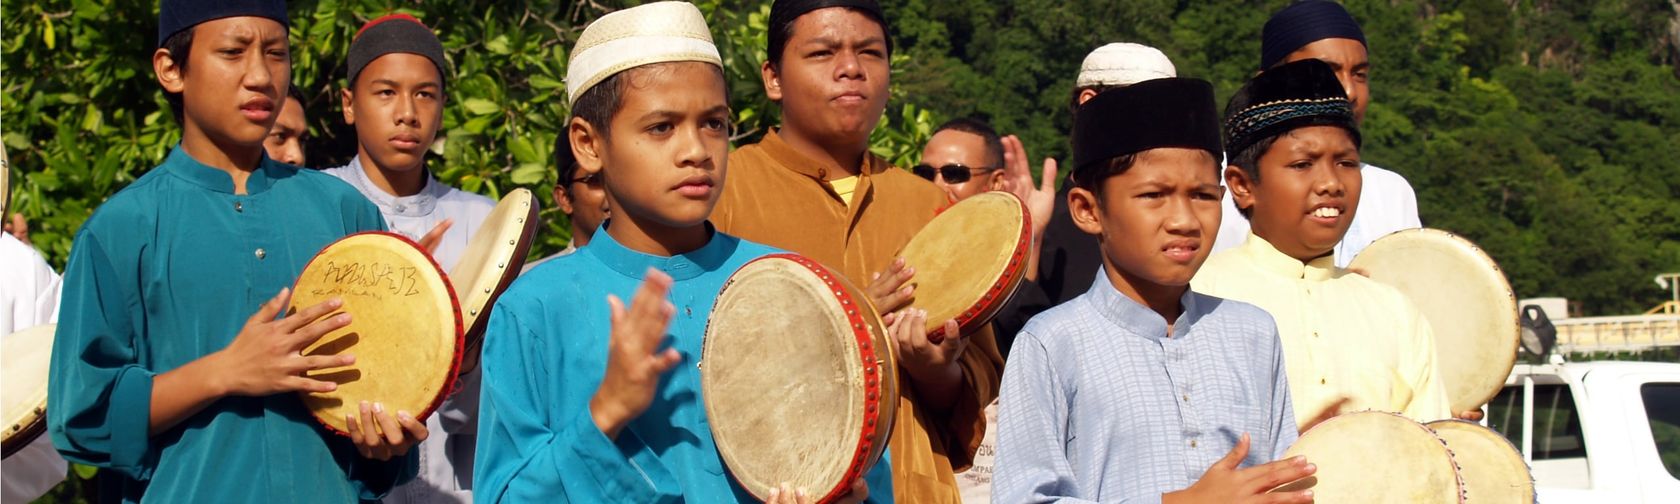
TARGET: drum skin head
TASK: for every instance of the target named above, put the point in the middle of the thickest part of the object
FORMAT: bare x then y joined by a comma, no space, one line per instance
405,327
797,377
493,257
969,261
1465,297
1376,457
1494,471
27,356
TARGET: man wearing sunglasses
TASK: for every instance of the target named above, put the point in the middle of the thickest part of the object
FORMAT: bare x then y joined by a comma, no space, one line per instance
964,157
581,198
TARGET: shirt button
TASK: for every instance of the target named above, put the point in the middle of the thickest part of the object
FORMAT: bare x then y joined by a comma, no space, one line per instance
261,254
238,206
1192,443
1320,381
1186,397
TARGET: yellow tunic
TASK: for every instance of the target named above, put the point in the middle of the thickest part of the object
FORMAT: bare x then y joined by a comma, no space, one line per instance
776,196
1344,335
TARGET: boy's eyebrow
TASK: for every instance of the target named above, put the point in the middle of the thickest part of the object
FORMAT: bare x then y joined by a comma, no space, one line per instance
829,41
393,83
675,114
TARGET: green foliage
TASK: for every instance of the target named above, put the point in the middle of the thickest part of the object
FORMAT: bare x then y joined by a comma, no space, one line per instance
90,118
1541,129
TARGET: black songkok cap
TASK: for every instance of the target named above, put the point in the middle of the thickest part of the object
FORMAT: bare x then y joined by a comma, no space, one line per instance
1294,95
1303,23
784,12
1152,114
177,15
395,33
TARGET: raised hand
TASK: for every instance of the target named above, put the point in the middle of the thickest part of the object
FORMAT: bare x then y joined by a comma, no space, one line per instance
267,355
1040,197
1224,482
634,360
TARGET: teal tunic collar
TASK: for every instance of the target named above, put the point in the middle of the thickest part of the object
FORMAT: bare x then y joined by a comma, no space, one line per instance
181,164
633,264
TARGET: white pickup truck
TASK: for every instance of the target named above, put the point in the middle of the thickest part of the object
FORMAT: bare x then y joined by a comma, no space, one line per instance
1595,432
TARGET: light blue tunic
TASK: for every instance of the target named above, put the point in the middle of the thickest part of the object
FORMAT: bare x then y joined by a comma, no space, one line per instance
1098,404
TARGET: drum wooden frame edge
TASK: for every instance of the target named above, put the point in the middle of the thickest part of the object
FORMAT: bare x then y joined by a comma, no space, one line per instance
1003,290
473,336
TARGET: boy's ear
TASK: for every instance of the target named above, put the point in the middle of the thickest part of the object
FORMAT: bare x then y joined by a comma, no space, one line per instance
1086,210
587,145
1086,95
997,181
772,81
347,100
562,200
1240,185
168,71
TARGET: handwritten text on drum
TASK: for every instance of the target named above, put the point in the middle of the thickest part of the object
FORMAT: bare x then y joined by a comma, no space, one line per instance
374,279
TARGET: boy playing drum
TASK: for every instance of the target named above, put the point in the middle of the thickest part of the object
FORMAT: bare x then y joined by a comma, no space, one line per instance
1141,390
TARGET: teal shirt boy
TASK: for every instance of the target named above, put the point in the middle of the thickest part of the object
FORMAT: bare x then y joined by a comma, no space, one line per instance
545,354
167,271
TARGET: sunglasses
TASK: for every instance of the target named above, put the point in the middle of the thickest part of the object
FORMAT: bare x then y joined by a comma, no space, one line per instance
953,173
591,180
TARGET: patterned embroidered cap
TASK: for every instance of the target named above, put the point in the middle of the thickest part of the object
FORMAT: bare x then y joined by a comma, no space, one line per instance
1293,95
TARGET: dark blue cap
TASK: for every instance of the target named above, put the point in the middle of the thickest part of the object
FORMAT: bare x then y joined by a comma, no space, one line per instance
177,15
1303,23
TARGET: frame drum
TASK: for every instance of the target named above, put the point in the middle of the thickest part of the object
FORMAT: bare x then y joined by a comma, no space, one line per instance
969,260
797,375
1377,457
1464,295
1493,469
492,260
27,356
405,329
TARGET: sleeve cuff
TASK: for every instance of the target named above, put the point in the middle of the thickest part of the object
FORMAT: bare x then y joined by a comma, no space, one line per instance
130,415
625,467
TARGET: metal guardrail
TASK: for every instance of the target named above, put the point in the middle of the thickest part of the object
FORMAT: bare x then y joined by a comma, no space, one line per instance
1617,334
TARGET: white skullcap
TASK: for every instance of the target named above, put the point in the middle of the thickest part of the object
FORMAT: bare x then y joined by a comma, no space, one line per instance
1124,64
660,32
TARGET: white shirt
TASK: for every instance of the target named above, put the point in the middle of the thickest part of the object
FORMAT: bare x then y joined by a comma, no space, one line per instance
28,297
414,216
446,456
1386,204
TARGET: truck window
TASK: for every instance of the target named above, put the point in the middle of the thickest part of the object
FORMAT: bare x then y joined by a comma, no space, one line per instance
1662,406
1557,426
